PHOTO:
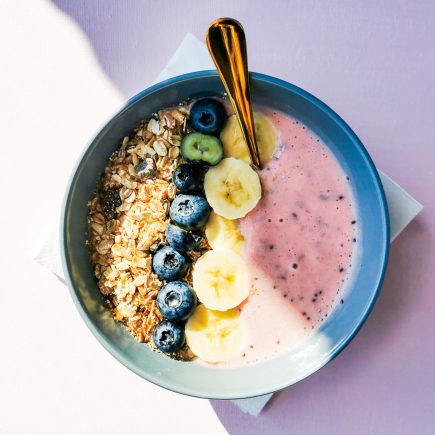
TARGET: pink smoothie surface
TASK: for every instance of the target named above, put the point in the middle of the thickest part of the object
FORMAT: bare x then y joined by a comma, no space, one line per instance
299,243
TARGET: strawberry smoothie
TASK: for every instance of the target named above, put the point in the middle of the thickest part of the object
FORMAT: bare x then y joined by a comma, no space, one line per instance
299,243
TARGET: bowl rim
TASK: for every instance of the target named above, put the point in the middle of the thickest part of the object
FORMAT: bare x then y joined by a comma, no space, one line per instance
255,392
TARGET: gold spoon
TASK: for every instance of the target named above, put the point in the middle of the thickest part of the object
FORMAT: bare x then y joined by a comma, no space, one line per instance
227,45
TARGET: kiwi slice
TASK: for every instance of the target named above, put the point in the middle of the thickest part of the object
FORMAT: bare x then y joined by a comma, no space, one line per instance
202,147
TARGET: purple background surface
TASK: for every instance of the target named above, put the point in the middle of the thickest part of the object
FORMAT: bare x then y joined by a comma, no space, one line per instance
374,63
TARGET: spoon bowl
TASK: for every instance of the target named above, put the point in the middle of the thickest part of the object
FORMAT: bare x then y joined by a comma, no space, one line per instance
226,43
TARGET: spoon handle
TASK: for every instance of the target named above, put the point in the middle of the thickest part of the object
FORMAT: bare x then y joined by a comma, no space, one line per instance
227,45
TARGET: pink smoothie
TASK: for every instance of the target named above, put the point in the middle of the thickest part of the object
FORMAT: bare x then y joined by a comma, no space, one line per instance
299,243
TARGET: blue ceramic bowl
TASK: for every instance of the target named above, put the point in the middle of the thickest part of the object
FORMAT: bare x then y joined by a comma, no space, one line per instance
191,378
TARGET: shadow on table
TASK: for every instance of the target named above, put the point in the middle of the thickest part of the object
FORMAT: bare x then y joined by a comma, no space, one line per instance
120,31
304,404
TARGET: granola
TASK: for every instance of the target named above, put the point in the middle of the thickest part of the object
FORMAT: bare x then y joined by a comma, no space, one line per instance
128,217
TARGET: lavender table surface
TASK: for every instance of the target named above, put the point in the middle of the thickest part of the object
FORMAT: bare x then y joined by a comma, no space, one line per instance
374,63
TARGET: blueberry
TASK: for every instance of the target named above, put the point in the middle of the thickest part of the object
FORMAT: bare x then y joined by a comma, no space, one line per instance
188,178
208,116
168,336
190,211
169,264
176,301
180,239
111,200
199,147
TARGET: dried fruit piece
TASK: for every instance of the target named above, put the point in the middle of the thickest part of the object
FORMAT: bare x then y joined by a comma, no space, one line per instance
146,168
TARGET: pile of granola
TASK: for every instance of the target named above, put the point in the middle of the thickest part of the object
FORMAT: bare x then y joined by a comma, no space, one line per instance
128,216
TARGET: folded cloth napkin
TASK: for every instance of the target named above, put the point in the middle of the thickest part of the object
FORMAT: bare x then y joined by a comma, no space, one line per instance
192,55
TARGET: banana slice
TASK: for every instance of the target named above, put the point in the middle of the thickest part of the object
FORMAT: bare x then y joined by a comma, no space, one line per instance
232,188
221,279
223,233
235,145
215,336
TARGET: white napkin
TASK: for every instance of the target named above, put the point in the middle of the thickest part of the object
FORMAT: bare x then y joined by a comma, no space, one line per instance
192,55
